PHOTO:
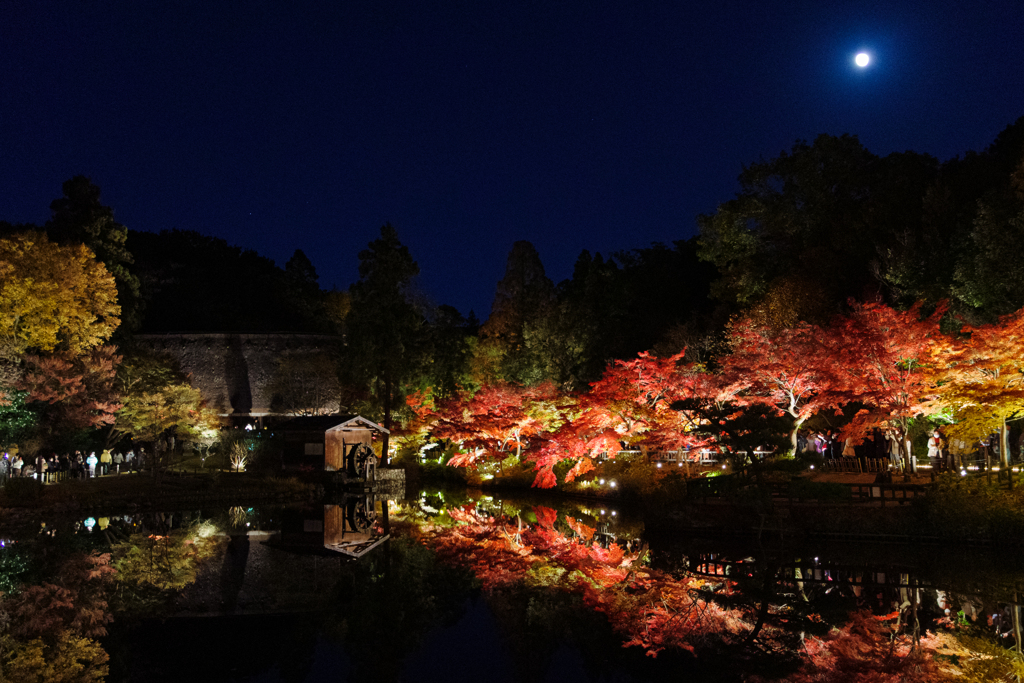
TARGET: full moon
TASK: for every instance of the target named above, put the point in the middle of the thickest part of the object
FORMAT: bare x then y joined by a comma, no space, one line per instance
862,59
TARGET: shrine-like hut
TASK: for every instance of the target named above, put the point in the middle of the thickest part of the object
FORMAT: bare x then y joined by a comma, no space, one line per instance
331,443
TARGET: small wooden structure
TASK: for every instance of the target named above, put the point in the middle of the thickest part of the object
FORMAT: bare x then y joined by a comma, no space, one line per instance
330,443
351,526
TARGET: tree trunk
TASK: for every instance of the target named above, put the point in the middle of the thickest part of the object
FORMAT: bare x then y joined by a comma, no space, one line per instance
385,446
904,450
1004,452
1017,633
762,613
793,436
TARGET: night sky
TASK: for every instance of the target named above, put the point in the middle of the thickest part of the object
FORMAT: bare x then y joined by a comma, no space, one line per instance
470,125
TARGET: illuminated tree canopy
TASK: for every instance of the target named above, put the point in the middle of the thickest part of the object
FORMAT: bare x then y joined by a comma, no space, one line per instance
53,297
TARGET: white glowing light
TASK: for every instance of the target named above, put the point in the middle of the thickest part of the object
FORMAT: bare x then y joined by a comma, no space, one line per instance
862,59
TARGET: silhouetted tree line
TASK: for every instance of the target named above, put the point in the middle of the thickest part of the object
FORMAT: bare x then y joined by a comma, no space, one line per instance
820,224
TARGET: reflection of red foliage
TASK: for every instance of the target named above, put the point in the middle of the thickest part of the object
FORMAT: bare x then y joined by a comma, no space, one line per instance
580,529
546,517
864,650
650,608
79,604
655,610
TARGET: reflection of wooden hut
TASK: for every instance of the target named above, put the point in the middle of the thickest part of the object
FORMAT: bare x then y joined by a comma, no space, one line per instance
326,442
352,527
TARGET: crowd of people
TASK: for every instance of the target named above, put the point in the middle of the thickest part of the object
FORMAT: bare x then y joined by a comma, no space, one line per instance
67,466
941,454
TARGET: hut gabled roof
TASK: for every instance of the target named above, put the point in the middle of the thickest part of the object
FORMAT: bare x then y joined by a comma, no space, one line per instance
327,423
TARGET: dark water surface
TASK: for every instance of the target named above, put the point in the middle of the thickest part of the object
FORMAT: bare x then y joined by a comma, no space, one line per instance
281,603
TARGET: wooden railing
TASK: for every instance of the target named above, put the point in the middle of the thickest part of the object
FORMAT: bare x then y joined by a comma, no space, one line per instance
858,465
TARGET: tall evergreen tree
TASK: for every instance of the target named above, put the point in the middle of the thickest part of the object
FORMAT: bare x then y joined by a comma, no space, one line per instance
523,299
384,328
78,216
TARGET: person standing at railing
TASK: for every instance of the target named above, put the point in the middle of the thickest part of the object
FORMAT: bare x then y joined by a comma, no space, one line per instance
935,450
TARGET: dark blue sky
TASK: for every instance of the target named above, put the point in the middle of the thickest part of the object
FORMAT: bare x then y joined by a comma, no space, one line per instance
470,125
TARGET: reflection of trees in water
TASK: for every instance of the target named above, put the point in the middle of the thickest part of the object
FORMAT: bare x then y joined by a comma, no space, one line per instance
388,601
800,623
548,585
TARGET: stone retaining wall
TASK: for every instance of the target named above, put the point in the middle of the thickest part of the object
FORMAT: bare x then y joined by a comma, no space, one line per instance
235,371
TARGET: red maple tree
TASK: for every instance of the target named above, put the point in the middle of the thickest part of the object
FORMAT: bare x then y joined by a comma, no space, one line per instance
885,358
496,423
789,369
76,390
631,403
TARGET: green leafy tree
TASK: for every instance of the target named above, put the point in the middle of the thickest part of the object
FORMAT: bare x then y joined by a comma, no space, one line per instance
160,408
661,287
580,333
451,341
303,285
17,420
822,223
986,278
800,210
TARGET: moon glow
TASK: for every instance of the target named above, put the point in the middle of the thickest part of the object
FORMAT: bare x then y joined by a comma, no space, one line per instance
862,59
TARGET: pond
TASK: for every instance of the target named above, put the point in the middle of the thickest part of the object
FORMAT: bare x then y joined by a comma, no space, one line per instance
455,585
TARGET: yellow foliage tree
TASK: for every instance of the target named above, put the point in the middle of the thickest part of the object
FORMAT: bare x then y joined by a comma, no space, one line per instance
983,380
71,659
173,410
53,297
